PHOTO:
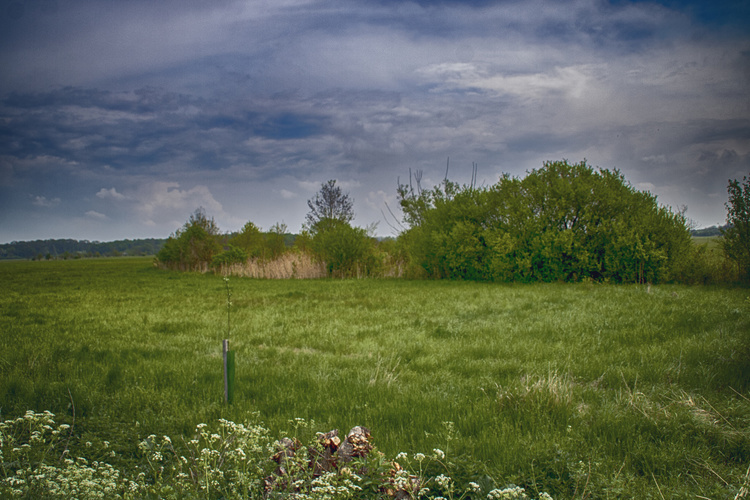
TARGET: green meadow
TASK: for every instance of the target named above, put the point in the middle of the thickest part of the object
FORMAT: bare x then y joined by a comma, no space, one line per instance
579,390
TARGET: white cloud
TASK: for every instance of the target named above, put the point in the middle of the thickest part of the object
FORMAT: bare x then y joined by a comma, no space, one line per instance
286,194
164,202
42,201
96,215
110,193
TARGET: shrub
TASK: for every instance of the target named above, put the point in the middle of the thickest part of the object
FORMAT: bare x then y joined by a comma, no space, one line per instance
346,250
233,255
737,235
193,246
562,222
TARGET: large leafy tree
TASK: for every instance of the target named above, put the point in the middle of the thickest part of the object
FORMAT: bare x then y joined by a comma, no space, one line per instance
737,235
560,222
329,204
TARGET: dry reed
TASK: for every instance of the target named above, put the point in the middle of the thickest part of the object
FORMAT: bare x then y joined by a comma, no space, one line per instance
290,265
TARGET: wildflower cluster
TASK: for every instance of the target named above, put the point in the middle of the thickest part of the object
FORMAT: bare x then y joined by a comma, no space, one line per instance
428,476
225,460
514,493
35,463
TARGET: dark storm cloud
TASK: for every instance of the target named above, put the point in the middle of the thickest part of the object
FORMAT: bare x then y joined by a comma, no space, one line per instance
130,114
144,128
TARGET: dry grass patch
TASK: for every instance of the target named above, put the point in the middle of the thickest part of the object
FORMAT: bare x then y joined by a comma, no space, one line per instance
291,265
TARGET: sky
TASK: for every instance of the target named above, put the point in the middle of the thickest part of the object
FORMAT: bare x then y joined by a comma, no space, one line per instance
118,119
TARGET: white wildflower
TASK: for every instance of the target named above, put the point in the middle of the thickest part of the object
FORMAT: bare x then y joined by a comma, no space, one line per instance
443,481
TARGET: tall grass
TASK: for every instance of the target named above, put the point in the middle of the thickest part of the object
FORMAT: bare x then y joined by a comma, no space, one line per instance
288,265
585,391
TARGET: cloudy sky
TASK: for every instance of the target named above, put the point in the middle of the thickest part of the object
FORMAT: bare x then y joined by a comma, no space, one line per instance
119,118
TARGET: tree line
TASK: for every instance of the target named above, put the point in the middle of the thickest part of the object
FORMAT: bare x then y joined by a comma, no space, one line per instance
561,222
74,249
327,235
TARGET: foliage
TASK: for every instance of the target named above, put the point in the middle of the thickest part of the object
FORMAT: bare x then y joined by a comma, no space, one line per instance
582,390
200,219
249,239
737,235
232,255
55,249
347,251
275,240
560,223
194,246
223,461
708,231
330,203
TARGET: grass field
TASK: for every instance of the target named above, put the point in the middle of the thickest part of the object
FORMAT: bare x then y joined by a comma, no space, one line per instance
583,391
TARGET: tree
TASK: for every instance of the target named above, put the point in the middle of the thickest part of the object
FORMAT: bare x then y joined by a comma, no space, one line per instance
250,239
275,240
562,222
194,245
329,204
737,235
199,218
347,251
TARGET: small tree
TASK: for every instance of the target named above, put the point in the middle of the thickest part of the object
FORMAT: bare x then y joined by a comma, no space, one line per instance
200,219
194,245
330,203
275,240
250,239
737,235
346,250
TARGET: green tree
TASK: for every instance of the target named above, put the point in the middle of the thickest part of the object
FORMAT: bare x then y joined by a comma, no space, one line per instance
275,240
200,219
560,222
232,255
736,237
330,203
249,239
347,251
194,245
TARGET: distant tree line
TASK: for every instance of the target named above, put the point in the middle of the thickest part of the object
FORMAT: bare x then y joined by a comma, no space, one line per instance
76,249
709,231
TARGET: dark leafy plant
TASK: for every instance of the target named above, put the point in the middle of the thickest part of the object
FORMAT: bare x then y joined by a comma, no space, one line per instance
737,235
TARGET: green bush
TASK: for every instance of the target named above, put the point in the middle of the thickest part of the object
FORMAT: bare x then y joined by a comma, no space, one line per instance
347,251
193,246
562,222
736,239
233,255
